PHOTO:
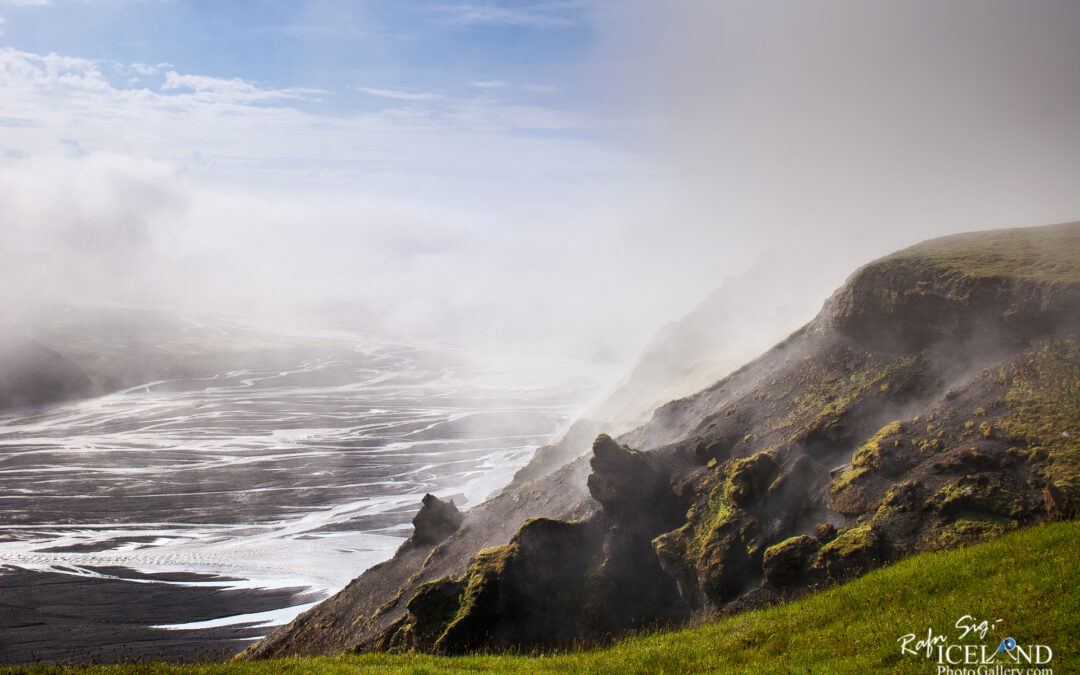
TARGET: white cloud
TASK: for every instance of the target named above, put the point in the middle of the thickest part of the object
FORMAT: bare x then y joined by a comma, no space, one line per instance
2,22
401,95
233,90
535,15
26,3
249,133
488,84
26,73
143,68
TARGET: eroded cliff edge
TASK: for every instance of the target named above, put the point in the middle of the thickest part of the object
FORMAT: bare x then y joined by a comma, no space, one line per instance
934,401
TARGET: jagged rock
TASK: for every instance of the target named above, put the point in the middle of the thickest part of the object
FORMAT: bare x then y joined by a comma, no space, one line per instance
788,562
825,532
621,480
436,520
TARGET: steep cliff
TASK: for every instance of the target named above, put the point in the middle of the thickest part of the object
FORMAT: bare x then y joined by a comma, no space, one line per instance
934,401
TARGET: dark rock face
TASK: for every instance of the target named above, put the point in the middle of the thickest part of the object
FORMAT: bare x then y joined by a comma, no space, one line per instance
625,484
436,520
556,582
518,593
789,561
521,593
932,403
367,613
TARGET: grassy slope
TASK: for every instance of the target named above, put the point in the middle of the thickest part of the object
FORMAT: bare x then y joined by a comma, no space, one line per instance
1029,579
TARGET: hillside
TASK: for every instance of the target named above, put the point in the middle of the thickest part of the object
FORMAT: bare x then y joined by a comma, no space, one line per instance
69,352
934,401
32,374
1026,579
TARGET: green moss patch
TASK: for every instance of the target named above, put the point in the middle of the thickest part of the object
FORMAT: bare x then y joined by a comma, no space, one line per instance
1043,402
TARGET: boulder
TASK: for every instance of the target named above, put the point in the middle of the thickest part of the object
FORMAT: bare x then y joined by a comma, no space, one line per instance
436,520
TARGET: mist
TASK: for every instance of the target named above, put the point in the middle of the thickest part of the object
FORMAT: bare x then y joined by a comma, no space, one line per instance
688,143
847,129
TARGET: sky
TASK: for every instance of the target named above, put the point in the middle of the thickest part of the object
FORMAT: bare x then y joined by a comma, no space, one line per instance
545,175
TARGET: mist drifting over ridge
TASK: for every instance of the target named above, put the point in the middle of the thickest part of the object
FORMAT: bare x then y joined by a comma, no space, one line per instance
568,201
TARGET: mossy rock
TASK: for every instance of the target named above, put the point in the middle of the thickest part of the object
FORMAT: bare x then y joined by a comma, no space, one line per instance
723,566
749,479
847,492
673,551
788,562
884,452
853,552
981,493
970,459
433,606
964,531
1060,504
904,497
479,600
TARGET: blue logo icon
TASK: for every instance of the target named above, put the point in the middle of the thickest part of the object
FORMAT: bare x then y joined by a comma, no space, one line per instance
1007,645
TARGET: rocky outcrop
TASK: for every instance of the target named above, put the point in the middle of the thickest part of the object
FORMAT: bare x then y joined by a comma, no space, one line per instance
435,521
363,614
556,582
625,485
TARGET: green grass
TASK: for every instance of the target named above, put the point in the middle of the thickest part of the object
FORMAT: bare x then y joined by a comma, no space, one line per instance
1029,579
1041,254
